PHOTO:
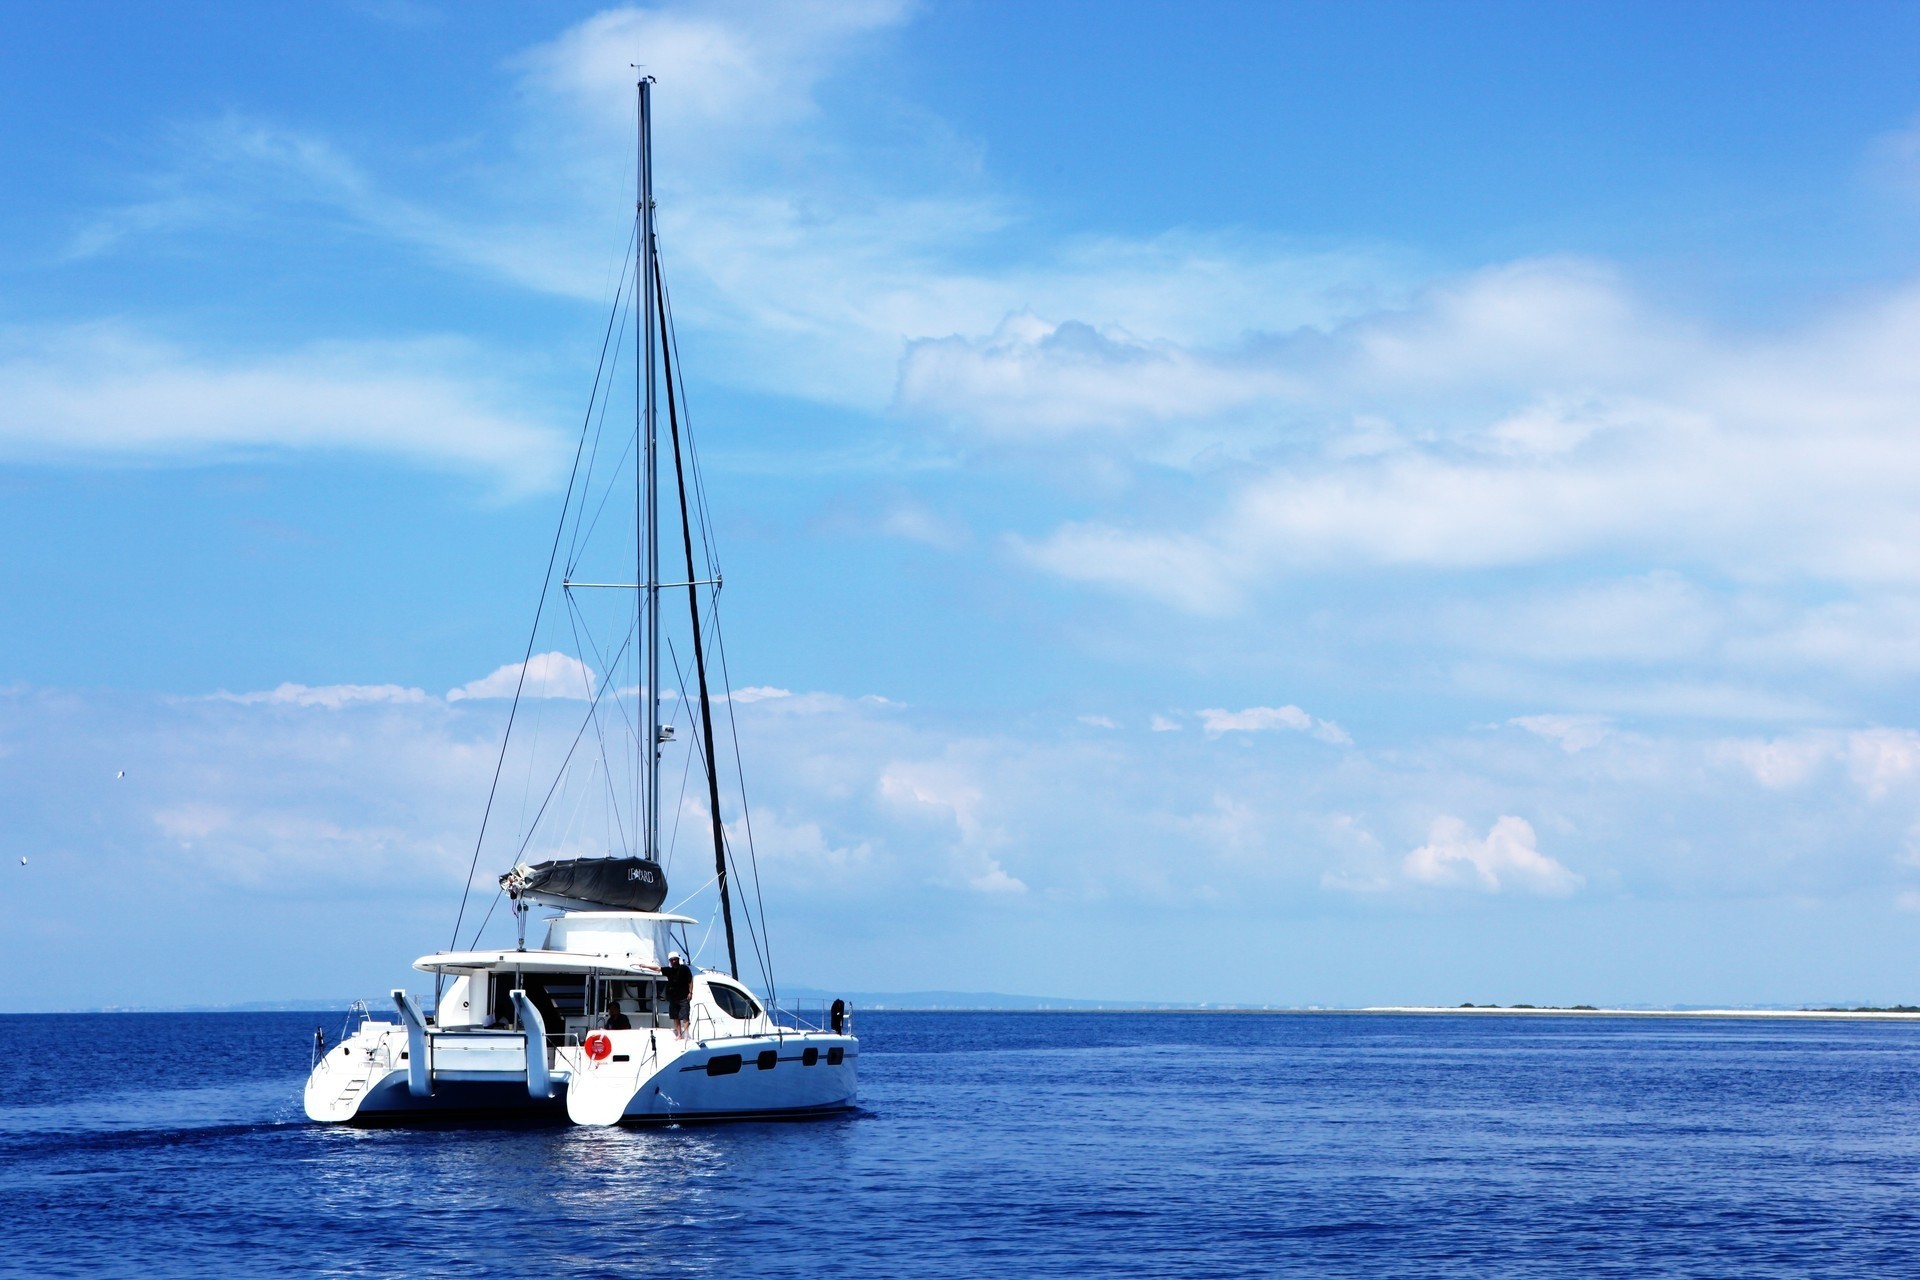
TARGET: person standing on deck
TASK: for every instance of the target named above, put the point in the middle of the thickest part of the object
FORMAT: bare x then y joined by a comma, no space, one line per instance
679,994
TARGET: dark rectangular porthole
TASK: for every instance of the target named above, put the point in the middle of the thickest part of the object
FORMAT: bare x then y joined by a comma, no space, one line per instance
767,1059
623,1057
724,1064
811,1055
835,1056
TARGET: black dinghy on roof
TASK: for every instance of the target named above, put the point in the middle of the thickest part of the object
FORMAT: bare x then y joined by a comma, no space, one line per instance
616,884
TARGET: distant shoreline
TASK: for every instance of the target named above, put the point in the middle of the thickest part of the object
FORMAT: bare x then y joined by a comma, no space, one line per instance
1885,1015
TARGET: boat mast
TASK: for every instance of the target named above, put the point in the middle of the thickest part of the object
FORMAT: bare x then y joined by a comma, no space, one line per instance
646,536
652,297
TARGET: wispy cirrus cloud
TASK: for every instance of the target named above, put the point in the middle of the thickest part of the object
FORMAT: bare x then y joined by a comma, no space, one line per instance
108,392
811,252
331,696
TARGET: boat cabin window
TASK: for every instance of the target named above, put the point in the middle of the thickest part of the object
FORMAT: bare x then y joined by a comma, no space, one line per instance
734,1002
558,996
638,1000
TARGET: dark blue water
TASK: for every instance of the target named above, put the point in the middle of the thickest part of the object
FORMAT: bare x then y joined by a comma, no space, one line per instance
1010,1145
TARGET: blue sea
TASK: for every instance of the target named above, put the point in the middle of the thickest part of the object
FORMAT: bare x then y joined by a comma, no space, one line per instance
1018,1144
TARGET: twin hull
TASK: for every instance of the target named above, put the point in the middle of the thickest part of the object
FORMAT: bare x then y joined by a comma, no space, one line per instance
647,1077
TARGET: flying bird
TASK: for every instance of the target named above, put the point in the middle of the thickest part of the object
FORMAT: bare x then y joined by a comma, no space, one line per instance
121,774
23,862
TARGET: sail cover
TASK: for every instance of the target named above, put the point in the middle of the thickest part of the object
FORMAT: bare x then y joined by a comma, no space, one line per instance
618,884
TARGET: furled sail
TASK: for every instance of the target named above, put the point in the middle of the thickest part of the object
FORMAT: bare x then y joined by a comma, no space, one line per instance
615,884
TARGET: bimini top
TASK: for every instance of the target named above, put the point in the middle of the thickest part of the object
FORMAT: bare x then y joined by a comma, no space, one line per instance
618,884
611,941
529,962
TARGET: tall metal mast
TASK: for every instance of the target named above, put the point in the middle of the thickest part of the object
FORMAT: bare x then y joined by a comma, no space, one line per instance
651,293
647,541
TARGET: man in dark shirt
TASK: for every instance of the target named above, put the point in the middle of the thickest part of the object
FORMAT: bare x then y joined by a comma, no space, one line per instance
679,993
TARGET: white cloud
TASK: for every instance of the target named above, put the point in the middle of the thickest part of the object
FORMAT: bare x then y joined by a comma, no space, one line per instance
917,524
107,392
1504,859
1541,413
548,675
1032,378
1877,760
949,788
811,254
760,693
1573,733
1254,719
1880,759
1649,619
331,696
996,880
1217,721
1162,724
1185,572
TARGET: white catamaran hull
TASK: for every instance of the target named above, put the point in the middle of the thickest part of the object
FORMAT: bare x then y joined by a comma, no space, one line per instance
650,1078
647,1077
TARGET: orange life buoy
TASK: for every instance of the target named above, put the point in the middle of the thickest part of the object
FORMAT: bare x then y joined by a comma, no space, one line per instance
598,1045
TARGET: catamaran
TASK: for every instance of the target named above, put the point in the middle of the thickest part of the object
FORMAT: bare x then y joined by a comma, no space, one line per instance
581,1026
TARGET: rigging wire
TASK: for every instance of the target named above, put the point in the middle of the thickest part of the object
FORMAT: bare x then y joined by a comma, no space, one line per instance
497,895
625,309
565,761
710,552
753,937
746,811
618,701
586,486
707,546
533,633
573,619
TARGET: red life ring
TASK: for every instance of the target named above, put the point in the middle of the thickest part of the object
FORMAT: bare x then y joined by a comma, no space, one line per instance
598,1045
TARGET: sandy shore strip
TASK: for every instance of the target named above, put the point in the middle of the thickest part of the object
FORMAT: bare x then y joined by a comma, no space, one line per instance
1883,1015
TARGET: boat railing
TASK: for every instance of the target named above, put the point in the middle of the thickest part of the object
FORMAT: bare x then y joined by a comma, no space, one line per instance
811,1014
358,1015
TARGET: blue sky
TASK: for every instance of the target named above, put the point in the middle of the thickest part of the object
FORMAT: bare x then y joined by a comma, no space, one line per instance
1300,503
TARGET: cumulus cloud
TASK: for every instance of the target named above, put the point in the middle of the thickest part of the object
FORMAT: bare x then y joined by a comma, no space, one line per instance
1877,760
947,788
1881,759
1545,412
547,675
1504,859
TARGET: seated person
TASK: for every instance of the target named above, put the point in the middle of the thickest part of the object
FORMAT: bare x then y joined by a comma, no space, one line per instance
617,1018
